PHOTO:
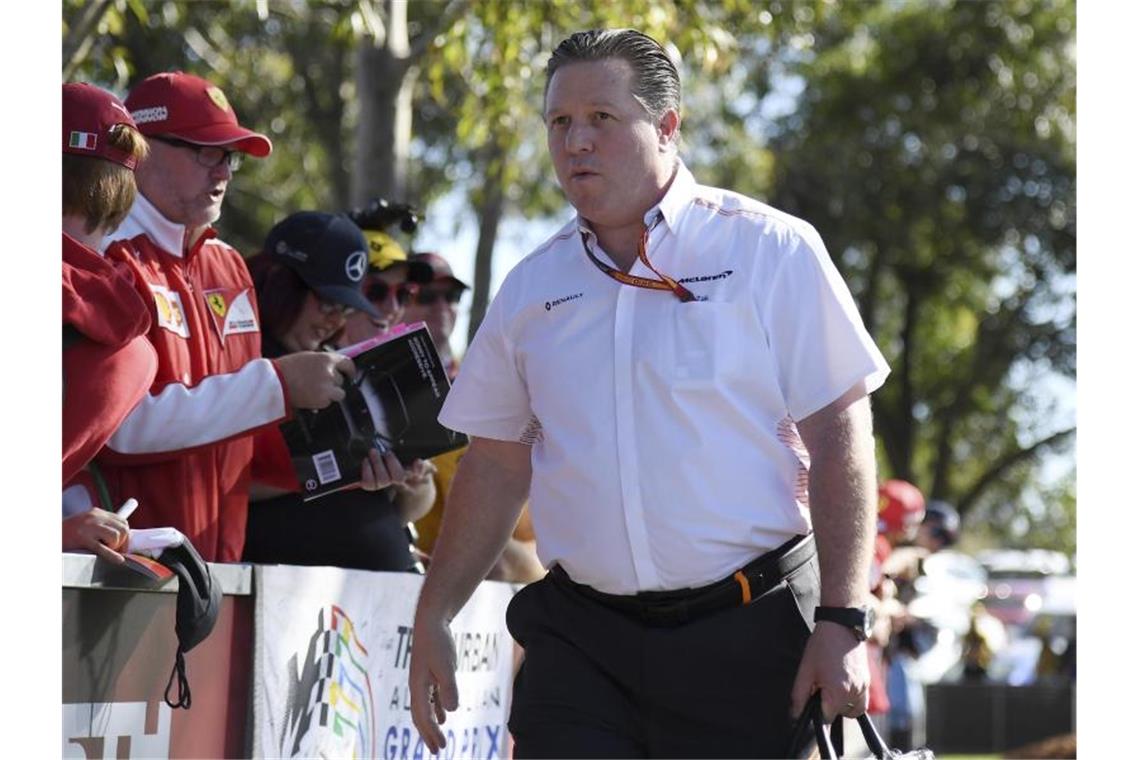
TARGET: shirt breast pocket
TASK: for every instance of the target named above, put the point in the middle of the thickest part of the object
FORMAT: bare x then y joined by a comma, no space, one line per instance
711,341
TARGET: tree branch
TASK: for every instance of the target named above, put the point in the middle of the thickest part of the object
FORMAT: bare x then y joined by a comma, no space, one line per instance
79,37
443,22
1009,460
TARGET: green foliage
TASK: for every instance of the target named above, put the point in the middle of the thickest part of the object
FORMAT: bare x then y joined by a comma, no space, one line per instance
933,148
930,141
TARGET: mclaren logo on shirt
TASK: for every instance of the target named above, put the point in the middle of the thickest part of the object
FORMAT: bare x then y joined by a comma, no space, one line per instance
708,277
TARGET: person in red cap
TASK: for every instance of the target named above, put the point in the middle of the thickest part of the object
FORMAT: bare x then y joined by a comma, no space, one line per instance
185,451
107,362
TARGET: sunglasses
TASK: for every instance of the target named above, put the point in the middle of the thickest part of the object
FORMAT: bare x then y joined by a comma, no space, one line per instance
428,296
378,291
209,156
328,308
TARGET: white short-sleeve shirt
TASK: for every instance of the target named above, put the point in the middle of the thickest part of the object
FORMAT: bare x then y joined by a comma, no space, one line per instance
664,449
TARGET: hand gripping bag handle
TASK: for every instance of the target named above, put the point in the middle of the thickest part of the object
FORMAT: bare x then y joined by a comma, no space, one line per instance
812,720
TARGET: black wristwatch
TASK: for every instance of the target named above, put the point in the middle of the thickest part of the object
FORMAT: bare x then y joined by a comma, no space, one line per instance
858,619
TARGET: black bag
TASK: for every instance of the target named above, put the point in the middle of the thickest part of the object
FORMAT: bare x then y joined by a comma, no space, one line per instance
827,740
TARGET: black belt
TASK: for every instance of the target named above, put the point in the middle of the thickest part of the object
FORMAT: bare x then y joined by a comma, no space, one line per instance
671,608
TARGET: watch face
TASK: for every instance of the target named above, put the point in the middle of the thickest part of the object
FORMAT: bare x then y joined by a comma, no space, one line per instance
868,622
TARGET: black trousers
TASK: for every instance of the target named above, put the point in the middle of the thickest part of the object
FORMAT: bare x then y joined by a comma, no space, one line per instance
597,682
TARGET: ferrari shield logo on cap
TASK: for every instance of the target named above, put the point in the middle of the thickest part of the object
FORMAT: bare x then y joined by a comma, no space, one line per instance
218,97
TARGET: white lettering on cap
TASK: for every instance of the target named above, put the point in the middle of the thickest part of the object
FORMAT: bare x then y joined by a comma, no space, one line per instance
148,115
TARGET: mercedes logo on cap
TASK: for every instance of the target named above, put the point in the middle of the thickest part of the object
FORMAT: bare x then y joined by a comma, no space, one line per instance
355,265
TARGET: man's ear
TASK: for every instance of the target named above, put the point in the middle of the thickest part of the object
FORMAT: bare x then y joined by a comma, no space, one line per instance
668,129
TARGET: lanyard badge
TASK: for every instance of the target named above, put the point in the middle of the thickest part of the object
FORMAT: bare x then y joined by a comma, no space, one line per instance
664,281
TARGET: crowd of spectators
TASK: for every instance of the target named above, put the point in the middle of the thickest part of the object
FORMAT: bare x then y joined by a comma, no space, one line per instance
182,357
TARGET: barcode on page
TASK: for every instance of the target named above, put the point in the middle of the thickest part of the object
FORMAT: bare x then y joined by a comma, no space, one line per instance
327,471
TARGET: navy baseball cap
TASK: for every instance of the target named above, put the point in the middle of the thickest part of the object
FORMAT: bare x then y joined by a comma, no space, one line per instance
328,252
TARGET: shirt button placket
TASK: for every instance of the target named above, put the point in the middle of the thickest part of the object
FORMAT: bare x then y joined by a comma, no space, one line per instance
627,443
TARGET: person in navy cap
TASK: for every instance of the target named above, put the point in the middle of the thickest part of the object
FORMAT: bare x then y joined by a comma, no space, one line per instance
310,279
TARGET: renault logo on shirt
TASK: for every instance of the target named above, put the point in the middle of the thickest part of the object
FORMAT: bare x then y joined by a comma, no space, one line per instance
559,301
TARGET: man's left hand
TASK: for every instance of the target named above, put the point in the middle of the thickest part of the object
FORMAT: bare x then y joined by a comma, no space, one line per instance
834,663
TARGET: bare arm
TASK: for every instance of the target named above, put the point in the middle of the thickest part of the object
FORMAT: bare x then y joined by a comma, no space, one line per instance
518,563
483,506
842,488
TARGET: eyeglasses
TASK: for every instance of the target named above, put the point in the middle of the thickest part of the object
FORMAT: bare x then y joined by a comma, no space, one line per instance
379,290
428,296
328,308
210,156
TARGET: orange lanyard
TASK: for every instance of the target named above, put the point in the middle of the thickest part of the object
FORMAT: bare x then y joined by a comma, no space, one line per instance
664,283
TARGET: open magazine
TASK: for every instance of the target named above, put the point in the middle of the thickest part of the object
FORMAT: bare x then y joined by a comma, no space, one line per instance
392,405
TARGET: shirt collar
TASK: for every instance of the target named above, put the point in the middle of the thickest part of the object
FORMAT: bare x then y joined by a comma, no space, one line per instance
167,234
677,198
682,190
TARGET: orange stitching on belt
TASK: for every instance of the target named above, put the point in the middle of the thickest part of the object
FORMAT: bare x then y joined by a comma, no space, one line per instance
745,589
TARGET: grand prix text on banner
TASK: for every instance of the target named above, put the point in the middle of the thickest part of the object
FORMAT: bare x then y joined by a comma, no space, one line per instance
331,655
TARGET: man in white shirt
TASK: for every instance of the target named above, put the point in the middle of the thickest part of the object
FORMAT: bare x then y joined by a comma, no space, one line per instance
655,377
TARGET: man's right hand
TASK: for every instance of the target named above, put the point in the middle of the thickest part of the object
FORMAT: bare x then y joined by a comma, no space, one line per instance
431,679
315,379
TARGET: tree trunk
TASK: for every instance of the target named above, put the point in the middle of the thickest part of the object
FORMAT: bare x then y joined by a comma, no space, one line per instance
490,214
384,82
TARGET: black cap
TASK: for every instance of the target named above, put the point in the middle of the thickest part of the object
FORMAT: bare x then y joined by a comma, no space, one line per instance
327,251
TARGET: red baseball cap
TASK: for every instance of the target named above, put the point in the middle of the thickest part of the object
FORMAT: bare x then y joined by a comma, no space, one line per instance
901,505
89,115
441,270
191,109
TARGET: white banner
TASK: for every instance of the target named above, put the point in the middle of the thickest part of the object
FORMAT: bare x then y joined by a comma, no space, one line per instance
331,655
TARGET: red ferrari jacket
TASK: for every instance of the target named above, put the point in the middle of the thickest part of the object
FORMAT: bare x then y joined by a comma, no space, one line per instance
185,450
110,365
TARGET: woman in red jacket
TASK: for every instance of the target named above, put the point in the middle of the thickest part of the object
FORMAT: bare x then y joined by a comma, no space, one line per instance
107,362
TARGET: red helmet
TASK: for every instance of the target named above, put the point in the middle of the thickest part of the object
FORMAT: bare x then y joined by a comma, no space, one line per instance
901,506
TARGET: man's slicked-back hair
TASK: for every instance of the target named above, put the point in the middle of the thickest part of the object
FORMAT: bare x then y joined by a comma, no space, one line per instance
656,83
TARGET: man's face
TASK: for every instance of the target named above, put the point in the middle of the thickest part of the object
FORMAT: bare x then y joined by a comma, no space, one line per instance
437,305
612,160
181,188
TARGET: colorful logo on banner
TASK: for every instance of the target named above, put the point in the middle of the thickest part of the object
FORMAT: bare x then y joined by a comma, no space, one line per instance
331,711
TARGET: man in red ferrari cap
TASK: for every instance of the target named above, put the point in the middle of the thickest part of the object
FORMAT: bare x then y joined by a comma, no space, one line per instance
108,365
185,451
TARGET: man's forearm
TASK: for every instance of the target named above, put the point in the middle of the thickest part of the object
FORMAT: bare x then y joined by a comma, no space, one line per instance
842,498
484,503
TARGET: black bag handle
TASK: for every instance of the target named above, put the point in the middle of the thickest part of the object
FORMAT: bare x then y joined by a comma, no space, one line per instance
812,720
